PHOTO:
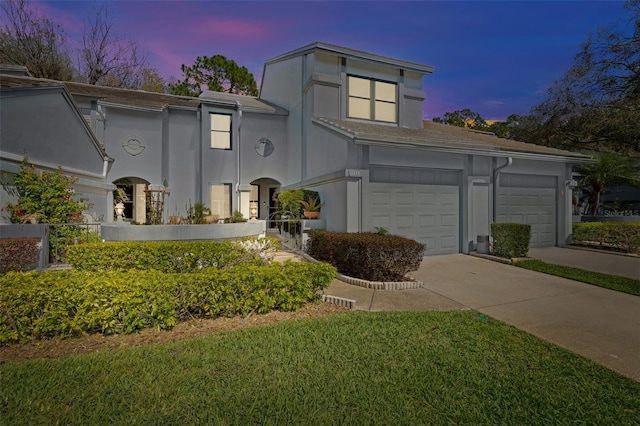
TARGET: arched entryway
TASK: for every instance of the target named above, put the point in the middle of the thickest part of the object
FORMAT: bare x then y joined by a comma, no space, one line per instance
135,198
263,193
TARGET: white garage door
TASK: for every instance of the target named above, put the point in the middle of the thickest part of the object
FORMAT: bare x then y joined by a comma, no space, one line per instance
535,206
425,213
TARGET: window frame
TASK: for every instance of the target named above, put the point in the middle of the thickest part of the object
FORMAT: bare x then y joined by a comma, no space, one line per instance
372,99
229,187
213,131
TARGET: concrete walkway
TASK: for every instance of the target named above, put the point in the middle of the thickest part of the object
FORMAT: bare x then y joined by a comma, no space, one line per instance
590,260
600,324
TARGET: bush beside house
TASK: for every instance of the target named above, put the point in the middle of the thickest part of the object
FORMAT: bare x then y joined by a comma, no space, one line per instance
511,239
624,236
368,256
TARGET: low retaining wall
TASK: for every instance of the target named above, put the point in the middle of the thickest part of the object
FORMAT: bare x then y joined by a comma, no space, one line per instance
122,232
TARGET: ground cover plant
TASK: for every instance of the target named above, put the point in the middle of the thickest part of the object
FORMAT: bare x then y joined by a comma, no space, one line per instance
613,282
351,368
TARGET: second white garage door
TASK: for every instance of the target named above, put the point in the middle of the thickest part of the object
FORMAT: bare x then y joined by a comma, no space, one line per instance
537,207
426,213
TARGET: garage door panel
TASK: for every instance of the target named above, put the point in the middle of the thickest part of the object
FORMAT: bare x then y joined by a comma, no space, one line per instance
380,199
426,213
538,210
405,221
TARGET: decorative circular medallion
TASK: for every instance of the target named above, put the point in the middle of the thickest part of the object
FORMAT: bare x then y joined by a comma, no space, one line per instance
264,147
133,146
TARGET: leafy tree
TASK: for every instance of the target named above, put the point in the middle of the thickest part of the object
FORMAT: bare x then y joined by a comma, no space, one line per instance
151,80
596,104
609,169
106,59
45,196
215,73
464,118
36,43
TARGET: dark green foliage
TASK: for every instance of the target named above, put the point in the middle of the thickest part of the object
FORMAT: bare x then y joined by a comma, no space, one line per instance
613,282
45,196
215,73
623,236
18,254
368,256
38,305
510,239
164,256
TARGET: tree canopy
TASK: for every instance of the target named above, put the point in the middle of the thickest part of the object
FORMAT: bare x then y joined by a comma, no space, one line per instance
215,73
596,104
37,43
106,58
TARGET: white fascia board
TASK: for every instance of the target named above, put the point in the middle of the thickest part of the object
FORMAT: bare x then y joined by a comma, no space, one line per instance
130,107
353,54
10,163
497,152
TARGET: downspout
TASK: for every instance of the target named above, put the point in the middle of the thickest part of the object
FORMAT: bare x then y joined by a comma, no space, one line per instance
239,108
496,176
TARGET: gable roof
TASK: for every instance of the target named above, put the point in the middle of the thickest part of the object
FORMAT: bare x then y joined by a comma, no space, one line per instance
442,137
354,54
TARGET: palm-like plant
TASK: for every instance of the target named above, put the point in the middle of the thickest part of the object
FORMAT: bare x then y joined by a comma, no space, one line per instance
608,170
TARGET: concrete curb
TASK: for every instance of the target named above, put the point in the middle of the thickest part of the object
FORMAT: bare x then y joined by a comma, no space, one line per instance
340,301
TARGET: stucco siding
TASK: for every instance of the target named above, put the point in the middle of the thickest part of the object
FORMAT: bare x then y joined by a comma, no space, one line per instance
47,128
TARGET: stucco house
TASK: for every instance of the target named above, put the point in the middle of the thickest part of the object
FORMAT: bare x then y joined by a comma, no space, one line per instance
343,122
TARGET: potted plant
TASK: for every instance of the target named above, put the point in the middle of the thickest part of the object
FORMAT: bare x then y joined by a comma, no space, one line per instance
311,207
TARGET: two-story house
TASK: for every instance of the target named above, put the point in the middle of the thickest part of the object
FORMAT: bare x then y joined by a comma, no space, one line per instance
345,123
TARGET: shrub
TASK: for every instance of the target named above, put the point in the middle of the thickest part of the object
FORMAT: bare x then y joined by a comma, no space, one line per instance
367,255
511,239
66,303
621,235
18,254
168,256
44,196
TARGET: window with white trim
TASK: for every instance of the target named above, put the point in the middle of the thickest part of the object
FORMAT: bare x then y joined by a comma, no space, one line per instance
220,199
372,100
220,131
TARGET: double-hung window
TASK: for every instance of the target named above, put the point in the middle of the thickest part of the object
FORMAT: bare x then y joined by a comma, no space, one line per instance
372,100
220,131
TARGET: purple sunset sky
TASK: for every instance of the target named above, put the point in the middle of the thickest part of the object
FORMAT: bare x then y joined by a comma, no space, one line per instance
496,58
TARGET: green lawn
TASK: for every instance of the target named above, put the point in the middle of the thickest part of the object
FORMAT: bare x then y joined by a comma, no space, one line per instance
613,282
354,368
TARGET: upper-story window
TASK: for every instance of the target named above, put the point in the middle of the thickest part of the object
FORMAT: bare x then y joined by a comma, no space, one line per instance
220,131
372,100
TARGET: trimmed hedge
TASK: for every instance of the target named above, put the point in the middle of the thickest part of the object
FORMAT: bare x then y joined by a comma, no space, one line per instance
367,255
511,239
169,256
18,254
620,235
67,303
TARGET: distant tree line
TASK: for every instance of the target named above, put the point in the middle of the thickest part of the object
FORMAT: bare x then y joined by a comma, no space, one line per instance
104,57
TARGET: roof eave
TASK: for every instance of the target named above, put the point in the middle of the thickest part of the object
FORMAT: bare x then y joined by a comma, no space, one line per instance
356,54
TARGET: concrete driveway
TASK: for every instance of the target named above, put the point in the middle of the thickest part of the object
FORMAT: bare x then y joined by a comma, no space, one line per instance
602,325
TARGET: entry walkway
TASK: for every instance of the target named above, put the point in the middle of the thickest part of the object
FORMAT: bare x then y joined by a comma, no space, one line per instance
600,324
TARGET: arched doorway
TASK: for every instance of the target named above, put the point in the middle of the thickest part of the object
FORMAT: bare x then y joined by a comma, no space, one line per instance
263,192
134,199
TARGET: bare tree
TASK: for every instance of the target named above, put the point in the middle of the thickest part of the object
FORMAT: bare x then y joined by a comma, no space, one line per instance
105,58
37,43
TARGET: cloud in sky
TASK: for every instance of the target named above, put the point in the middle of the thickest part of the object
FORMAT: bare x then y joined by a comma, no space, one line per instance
494,57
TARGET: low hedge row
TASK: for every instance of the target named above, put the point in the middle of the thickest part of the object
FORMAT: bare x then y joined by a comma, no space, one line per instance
169,256
368,256
66,303
621,235
510,239
18,254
